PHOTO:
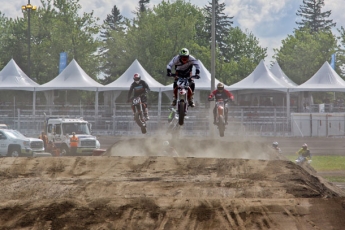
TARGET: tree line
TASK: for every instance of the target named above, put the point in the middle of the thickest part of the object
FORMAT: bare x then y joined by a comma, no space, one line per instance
154,35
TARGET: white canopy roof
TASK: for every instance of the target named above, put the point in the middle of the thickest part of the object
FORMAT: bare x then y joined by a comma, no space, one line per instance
73,77
126,79
260,78
204,83
13,78
325,79
278,72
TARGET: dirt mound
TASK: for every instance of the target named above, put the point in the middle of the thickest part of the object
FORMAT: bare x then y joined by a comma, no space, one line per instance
209,189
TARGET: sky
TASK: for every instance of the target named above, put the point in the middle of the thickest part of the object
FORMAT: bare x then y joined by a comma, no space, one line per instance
271,21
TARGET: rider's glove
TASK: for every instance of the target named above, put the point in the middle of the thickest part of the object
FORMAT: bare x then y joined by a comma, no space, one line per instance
197,77
197,72
169,72
210,98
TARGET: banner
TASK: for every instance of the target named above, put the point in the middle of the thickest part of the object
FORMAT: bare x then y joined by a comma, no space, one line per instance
333,61
63,61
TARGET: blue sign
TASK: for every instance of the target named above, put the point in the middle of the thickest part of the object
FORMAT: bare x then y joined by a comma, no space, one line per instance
63,61
333,61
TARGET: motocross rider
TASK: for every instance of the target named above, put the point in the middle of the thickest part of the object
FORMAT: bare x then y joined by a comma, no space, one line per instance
183,63
221,93
304,152
276,148
140,88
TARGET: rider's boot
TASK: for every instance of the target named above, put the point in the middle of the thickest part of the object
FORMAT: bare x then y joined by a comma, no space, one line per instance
146,114
214,121
191,101
226,121
173,103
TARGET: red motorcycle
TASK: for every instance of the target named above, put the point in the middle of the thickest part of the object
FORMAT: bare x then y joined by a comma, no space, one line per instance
220,115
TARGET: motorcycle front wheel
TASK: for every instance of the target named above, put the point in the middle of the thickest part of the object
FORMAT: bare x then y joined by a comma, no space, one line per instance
181,113
221,126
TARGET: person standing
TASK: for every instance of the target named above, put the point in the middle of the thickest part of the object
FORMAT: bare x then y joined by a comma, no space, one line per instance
74,143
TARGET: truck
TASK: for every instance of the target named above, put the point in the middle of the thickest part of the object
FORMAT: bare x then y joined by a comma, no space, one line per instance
15,144
59,130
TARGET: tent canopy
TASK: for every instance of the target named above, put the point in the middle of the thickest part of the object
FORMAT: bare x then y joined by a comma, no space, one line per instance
260,78
325,79
278,72
73,77
126,79
13,78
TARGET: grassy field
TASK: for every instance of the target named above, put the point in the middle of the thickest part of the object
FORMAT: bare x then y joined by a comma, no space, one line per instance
327,164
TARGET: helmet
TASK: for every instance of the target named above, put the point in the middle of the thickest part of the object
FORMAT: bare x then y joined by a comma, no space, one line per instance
275,144
304,146
136,77
166,143
184,52
220,86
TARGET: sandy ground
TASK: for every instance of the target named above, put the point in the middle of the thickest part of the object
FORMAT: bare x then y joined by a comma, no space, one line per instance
211,184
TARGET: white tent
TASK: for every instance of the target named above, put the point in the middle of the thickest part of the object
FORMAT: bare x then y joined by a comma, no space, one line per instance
325,79
73,77
126,79
13,78
279,73
261,78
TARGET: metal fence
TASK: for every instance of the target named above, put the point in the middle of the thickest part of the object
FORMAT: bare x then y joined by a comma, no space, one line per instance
255,120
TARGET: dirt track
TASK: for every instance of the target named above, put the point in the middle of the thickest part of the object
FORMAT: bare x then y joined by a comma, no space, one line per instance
224,185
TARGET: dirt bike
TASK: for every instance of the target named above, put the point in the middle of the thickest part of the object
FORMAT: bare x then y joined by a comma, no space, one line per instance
220,115
137,107
302,159
182,96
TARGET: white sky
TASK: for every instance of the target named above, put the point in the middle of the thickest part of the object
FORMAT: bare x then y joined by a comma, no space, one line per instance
269,20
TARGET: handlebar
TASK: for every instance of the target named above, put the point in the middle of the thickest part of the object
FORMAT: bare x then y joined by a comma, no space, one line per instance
193,76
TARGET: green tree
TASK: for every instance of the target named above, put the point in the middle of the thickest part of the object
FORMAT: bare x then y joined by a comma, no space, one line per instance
313,17
222,27
58,27
243,55
303,53
112,35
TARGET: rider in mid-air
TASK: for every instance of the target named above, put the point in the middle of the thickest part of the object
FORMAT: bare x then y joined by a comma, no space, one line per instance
221,93
183,63
140,88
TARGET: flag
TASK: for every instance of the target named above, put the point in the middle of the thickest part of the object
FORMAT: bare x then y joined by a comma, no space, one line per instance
63,61
333,61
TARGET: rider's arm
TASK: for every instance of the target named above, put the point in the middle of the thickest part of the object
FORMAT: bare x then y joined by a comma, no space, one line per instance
212,94
229,94
172,62
147,87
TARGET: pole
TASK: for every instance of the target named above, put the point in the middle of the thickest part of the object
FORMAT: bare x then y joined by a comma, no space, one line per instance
29,41
213,59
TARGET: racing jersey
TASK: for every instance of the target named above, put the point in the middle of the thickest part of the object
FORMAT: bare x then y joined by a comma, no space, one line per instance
183,69
138,88
221,95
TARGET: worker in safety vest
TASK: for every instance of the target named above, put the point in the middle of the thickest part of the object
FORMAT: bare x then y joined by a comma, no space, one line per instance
73,143
44,138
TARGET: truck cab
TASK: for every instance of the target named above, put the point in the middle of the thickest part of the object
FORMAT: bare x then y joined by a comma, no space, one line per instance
59,130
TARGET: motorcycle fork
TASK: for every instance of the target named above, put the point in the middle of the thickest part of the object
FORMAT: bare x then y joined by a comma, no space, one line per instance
220,111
